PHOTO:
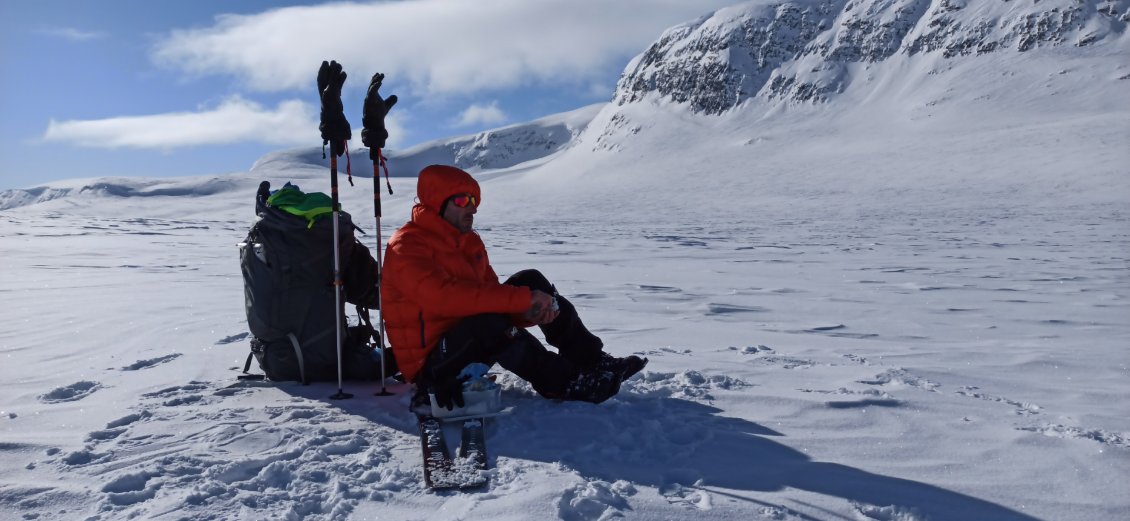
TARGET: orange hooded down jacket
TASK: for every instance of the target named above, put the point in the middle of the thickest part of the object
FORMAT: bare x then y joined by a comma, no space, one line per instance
434,275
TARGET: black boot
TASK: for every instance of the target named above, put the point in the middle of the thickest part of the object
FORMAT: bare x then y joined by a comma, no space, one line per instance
624,367
593,386
421,403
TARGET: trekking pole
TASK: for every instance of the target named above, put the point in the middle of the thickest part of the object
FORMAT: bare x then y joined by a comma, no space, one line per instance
335,131
374,136
379,161
341,394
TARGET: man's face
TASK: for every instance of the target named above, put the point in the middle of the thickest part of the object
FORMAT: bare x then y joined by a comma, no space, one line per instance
461,217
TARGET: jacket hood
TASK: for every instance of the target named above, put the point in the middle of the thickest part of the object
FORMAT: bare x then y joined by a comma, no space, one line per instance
438,182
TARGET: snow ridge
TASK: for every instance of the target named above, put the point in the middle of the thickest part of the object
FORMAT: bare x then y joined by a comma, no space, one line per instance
491,149
498,148
116,187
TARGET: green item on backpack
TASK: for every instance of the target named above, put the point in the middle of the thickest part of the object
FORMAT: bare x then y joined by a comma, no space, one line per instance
309,206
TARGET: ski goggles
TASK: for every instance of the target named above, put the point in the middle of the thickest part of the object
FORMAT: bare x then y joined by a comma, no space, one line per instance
464,199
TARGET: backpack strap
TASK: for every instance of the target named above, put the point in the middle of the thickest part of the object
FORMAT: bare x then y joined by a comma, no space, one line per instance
298,355
247,367
363,317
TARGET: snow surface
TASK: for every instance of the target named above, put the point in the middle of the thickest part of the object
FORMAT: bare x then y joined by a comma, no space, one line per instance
907,303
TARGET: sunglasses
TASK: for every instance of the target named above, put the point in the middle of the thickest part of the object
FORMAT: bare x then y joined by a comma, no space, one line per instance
463,200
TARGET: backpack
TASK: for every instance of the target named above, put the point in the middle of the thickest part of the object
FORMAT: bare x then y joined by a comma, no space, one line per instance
288,275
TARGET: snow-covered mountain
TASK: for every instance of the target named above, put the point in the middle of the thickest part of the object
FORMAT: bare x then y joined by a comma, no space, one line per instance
488,150
117,187
855,80
502,147
810,51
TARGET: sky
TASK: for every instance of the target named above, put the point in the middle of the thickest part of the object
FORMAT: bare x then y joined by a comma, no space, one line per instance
155,89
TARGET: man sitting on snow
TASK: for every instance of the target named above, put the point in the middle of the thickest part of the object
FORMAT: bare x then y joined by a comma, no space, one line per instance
445,308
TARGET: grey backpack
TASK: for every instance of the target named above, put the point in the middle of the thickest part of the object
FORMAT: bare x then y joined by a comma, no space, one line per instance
287,264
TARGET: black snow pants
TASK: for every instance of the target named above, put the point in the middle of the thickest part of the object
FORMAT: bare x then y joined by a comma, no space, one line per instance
492,338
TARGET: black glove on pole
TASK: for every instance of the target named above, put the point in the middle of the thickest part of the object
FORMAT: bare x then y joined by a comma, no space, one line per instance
335,130
334,126
373,118
373,135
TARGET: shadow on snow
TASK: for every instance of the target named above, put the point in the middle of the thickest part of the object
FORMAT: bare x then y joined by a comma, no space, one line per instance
667,442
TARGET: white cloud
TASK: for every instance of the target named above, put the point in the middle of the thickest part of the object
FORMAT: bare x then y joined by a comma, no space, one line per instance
235,120
480,114
71,33
436,46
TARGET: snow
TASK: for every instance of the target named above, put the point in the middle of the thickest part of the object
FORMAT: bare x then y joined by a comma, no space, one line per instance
907,303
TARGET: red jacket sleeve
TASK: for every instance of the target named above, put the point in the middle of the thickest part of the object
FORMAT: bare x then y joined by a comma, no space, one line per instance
420,275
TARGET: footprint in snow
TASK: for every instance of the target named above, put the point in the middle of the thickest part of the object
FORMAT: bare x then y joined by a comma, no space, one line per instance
1067,432
752,350
105,434
179,394
664,351
887,513
658,289
686,384
1022,408
231,339
691,497
595,500
786,362
716,309
900,377
145,364
779,513
131,488
857,359
70,393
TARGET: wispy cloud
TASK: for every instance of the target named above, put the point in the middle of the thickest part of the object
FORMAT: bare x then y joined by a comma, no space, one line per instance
71,33
481,114
233,121
435,46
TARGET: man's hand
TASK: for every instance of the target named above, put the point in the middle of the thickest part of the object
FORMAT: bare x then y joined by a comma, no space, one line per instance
543,308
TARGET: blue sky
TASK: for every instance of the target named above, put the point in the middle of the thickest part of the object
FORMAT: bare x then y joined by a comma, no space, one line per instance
156,89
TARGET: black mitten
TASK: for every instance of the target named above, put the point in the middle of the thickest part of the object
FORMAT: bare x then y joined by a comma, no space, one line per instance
374,134
335,128
449,392
444,367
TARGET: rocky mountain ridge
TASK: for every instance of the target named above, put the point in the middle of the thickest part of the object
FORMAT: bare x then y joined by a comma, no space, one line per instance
801,51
